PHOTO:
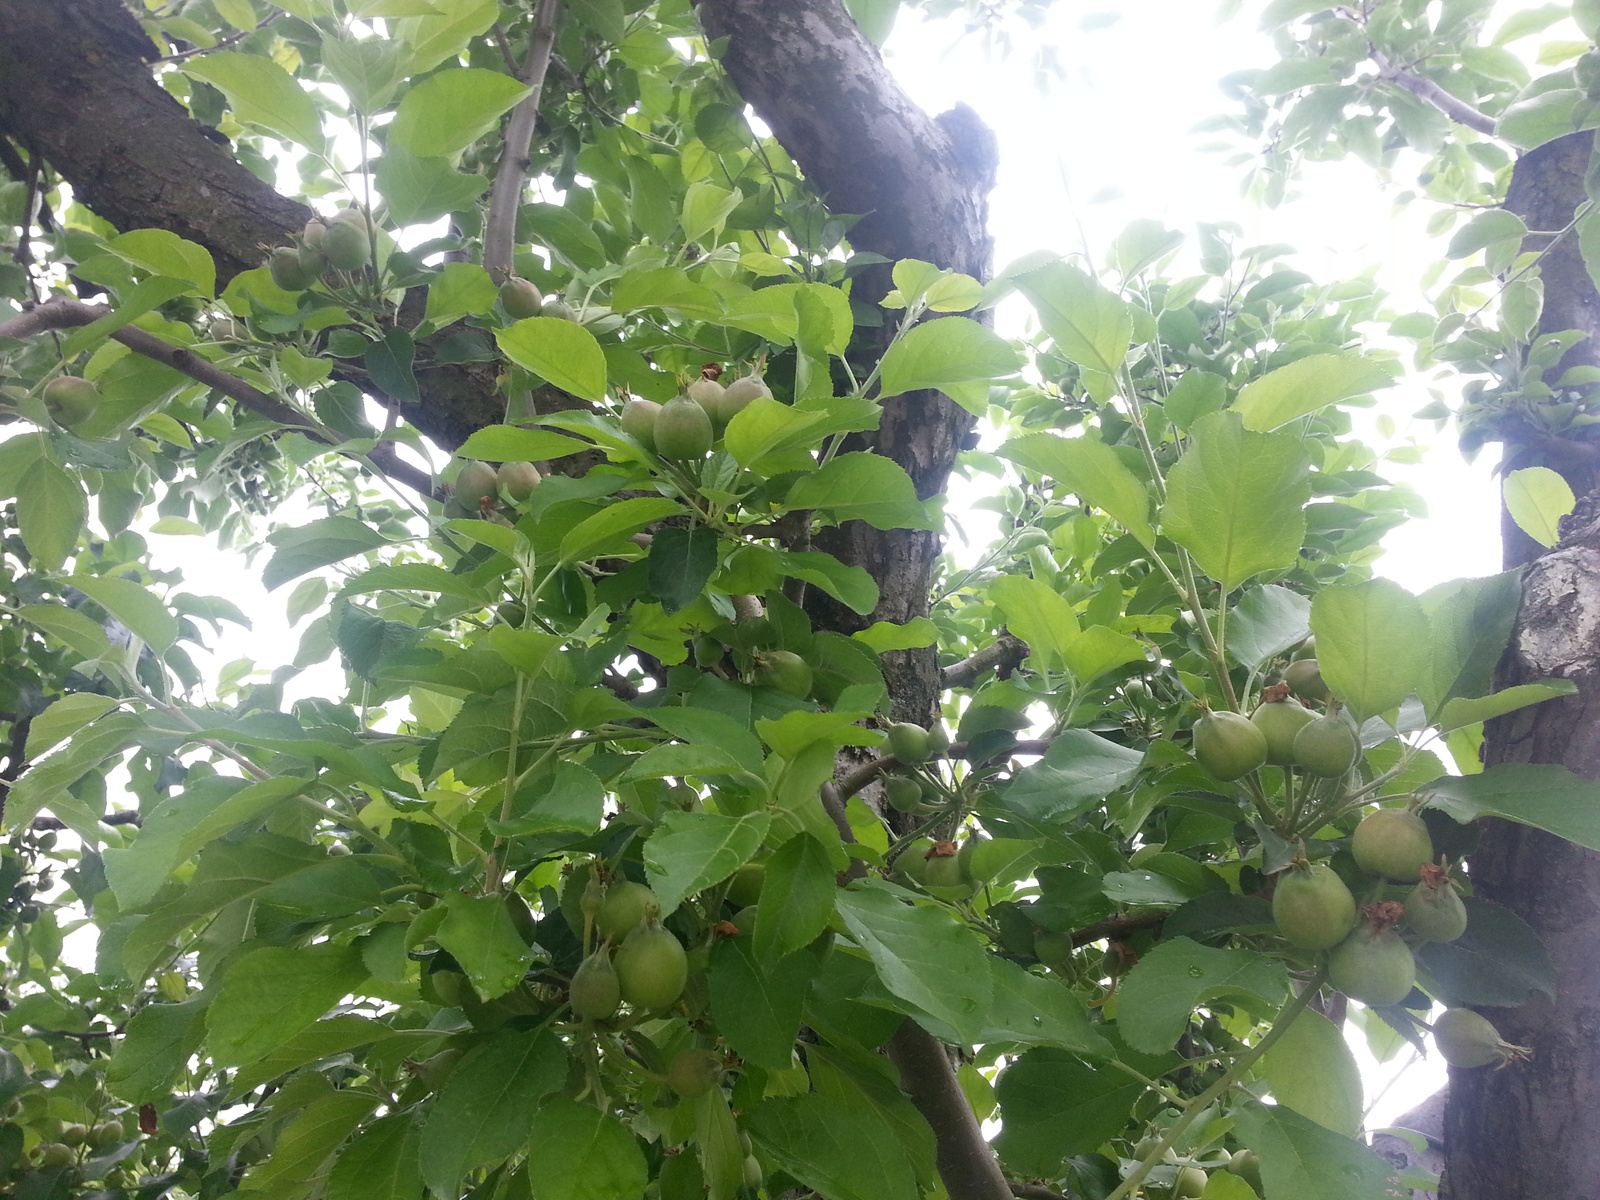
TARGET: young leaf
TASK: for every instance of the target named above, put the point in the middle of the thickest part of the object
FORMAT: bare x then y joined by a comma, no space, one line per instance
478,933
955,355
1092,470
580,1153
263,93
447,112
1537,498
269,994
1372,644
1312,1070
560,351
1164,987
796,898
691,851
1091,325
1306,386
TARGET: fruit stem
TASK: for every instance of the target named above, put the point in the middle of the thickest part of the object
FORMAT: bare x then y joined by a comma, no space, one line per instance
1229,1077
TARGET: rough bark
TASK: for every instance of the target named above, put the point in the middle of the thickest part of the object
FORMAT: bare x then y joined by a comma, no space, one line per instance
920,185
1532,1130
930,1081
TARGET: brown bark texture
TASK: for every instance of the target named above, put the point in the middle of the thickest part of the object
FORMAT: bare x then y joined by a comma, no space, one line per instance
1532,1130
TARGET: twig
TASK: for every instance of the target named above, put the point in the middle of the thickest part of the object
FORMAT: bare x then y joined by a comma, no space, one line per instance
1005,653
868,771
1456,109
499,231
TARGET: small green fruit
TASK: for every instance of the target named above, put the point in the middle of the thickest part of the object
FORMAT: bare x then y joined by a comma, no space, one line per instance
312,234
289,271
938,740
707,393
1051,948
1373,966
752,1172
908,743
912,862
1467,1040
1228,745
558,308
682,796
739,394
944,871
683,430
518,479
74,1134
1313,908
596,990
1279,721
1326,747
784,670
1305,680
107,1133
1306,649
70,401
693,1072
1191,1182
627,906
1434,910
1394,843
345,244
521,298
904,795
744,889
639,421
572,895
1246,1164
476,483
55,1154
651,968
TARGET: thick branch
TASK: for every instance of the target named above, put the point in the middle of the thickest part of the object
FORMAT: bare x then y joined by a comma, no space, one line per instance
1006,653
966,1165
499,235
1456,109
62,312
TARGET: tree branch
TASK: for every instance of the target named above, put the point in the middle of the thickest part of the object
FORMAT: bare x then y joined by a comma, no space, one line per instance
1456,109
966,1164
63,312
1005,653
499,231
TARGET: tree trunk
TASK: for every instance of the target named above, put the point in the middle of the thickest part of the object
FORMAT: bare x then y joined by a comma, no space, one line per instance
1532,1130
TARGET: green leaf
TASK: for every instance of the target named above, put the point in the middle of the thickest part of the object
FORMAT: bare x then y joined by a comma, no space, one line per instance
507,443
413,577
722,1153
1537,498
1158,996
1054,1105
1498,961
1311,1069
863,486
705,207
689,852
1470,622
319,544
1092,470
479,934
154,1050
434,39
1372,644
368,69
923,955
1300,1158
263,93
1038,615
955,355
146,295
1079,769
305,1143
380,1164
1460,712
1265,622
63,718
169,255
581,1153
564,232
135,606
1030,1010
1196,394
447,112
570,800
1090,325
423,189
485,1111
884,636
1485,229
1545,796
318,1040
68,625
853,587
603,17
389,363
269,994
796,898
51,511
1306,386
610,528
1529,123
842,1153
757,1005
767,429
682,562
560,351
45,784
1234,500
459,289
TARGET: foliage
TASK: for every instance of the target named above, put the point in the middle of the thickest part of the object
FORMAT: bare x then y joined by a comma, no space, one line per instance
338,951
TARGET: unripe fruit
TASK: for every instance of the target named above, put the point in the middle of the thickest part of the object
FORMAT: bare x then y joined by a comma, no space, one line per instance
345,244
1433,909
652,968
683,430
476,483
1326,747
744,889
74,1134
681,795
944,877
69,400
707,393
904,795
1305,680
1246,1164
521,299
572,895
435,1070
1467,1040
1052,948
964,856
912,862
736,397
54,1154
693,1072
1394,843
1191,1182
558,308
1373,966
908,743
312,261
107,1133
784,670
1306,649
288,271
518,479
1279,721
752,1172
311,235
1228,745
627,906
596,988
639,421
938,739
1313,908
